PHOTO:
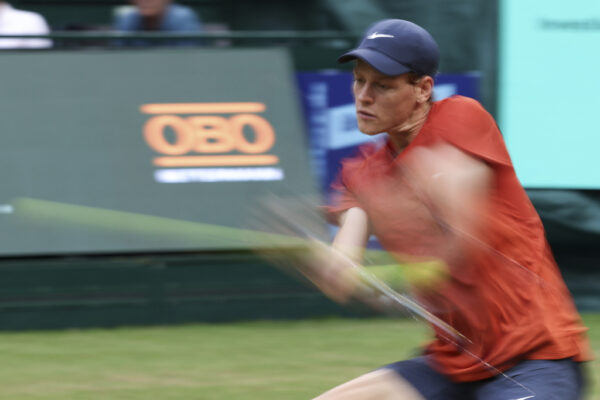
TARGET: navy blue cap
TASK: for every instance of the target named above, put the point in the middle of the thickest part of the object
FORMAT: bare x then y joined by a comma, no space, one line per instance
395,46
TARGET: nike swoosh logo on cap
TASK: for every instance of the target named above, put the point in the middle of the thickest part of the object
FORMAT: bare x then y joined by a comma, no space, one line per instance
376,35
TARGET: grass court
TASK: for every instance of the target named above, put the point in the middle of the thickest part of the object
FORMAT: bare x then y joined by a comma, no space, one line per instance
266,360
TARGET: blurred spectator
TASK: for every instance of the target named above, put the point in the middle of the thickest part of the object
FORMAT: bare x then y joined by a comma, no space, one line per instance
157,16
18,22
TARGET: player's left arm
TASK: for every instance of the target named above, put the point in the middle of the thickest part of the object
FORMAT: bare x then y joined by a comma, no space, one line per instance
455,183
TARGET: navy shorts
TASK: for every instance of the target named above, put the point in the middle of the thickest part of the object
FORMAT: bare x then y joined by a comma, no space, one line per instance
530,379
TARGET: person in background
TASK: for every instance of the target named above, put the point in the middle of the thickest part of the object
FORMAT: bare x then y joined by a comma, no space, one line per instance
19,22
157,16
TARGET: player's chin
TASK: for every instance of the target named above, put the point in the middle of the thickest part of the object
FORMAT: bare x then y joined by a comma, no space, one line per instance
369,129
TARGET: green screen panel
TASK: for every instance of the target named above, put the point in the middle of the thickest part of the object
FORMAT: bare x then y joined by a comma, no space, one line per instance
548,91
150,150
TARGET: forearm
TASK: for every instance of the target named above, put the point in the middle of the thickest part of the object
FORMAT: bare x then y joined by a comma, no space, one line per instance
354,232
333,267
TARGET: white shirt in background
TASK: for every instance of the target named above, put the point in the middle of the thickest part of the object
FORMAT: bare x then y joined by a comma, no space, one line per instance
17,22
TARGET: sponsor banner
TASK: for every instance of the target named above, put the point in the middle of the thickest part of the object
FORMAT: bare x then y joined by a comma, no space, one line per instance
187,175
207,135
148,140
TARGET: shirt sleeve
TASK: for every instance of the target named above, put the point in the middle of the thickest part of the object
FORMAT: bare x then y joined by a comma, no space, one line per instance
342,196
468,126
182,19
38,26
191,23
341,199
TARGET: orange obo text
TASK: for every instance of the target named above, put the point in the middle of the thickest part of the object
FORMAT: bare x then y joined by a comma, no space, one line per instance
237,137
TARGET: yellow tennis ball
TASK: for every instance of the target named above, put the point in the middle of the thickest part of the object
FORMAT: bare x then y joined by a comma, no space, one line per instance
424,275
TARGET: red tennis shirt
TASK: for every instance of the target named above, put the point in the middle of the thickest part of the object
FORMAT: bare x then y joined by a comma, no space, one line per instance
506,293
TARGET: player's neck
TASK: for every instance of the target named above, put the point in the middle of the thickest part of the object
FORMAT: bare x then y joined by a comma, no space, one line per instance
402,135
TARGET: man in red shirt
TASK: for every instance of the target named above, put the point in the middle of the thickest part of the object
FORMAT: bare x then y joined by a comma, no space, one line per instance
443,188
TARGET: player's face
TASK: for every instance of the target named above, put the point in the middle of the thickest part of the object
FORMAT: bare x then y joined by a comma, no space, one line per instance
383,103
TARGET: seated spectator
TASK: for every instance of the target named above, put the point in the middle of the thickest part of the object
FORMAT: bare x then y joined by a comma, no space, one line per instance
18,22
158,16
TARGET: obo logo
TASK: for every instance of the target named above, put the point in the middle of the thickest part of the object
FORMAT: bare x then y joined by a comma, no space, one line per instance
215,135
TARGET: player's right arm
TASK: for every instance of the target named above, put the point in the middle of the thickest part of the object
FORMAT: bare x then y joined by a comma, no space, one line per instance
333,266
351,238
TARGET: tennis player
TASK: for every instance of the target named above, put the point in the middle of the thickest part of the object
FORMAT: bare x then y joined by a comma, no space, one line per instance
443,187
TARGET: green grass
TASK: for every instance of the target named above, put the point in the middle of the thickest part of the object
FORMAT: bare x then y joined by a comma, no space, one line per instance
253,360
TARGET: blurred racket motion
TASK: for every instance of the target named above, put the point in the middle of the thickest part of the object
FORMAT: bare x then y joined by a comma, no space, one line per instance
385,283
376,284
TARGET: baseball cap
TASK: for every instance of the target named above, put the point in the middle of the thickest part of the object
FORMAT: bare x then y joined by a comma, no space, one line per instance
395,46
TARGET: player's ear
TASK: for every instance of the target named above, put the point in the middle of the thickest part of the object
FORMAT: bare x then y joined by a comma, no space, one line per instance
425,89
